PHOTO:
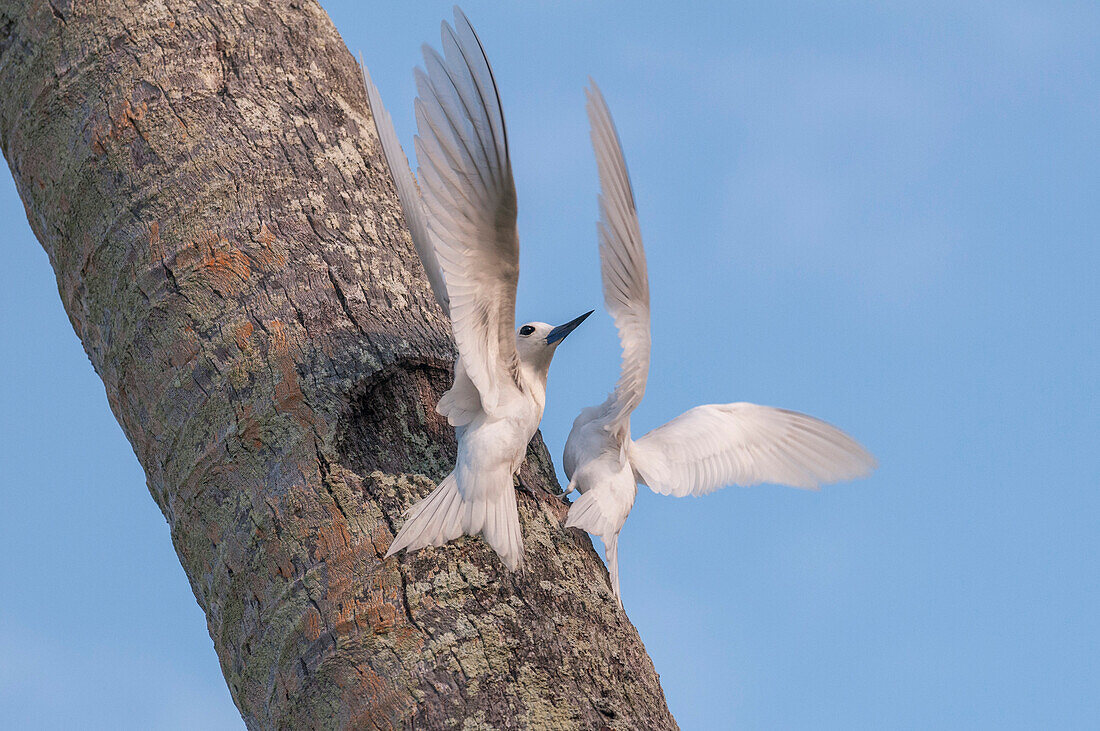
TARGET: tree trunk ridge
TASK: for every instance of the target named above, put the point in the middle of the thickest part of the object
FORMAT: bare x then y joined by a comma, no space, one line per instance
208,185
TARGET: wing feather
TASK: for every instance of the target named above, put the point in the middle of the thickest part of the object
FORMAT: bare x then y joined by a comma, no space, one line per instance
622,265
408,193
712,446
470,202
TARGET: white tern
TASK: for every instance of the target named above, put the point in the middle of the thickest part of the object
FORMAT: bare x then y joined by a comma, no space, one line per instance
462,218
704,448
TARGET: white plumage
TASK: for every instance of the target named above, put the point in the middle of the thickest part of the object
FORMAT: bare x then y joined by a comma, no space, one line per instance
704,448
462,218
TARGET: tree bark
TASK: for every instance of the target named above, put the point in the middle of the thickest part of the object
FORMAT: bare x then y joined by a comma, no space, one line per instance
206,180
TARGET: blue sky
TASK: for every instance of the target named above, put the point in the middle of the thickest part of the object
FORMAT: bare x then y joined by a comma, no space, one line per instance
886,216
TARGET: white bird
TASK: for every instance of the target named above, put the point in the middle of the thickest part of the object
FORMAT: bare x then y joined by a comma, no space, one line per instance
462,220
704,448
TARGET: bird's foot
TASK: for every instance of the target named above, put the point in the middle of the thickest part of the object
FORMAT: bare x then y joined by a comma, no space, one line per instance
523,486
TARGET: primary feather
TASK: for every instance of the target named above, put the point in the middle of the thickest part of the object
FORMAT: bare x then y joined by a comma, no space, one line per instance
408,193
470,196
622,264
712,446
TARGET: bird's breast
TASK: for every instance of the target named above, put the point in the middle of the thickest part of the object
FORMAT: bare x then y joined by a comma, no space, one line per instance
606,471
491,441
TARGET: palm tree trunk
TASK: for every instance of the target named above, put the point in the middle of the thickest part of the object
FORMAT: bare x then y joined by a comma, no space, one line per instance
207,183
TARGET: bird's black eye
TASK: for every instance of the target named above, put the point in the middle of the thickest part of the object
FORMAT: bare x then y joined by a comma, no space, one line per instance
526,330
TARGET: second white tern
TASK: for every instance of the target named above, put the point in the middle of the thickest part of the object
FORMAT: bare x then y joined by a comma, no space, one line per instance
701,450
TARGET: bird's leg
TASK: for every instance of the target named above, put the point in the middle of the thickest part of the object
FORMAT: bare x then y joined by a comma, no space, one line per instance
568,489
523,485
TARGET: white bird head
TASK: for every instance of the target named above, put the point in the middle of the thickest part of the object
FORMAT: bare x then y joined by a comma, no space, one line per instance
537,341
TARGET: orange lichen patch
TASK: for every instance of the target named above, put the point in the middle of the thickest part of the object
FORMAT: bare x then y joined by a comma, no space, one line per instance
215,262
156,251
407,640
289,399
226,269
332,540
265,237
279,348
311,625
265,256
242,333
215,256
248,428
95,141
381,615
378,609
347,617
134,113
344,606
279,558
288,393
385,706
428,603
119,126
380,537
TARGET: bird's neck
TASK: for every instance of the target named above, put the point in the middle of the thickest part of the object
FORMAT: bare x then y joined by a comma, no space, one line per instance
532,377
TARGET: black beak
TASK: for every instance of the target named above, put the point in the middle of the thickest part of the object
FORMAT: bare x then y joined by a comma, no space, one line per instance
559,333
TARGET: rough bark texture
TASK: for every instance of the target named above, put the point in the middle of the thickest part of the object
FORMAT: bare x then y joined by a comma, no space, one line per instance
209,188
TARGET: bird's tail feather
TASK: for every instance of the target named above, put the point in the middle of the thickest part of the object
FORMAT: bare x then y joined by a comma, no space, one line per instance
498,524
433,521
443,516
611,548
589,514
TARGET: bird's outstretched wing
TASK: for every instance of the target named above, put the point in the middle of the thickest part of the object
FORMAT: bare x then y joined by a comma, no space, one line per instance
470,202
407,191
622,265
712,446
